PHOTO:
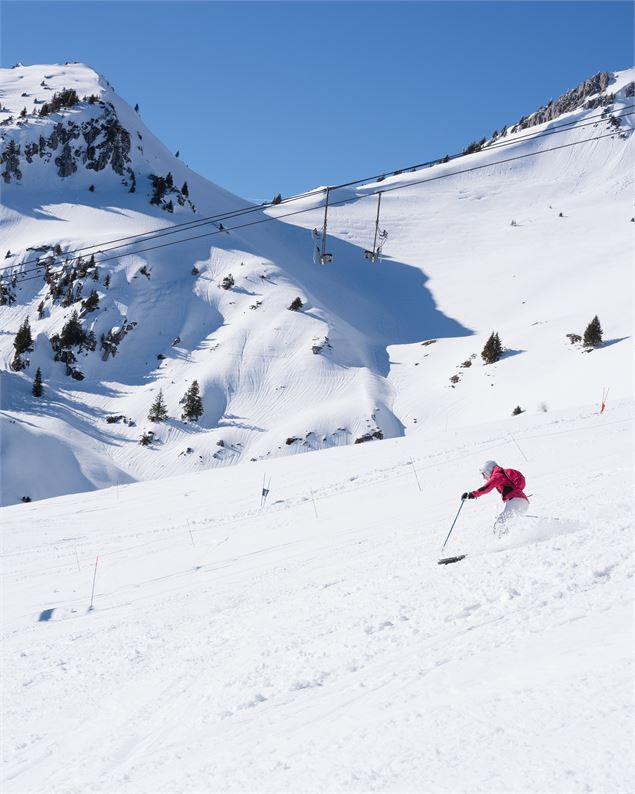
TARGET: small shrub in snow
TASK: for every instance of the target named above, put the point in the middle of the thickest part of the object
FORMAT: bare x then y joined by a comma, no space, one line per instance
429,342
493,349
296,305
573,338
92,188
195,271
158,410
454,379
467,363
227,282
26,499
40,310
147,438
277,199
593,333
518,410
543,407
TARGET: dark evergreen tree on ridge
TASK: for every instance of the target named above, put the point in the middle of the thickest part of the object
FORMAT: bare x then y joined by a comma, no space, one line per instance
593,333
493,349
72,332
192,404
23,343
158,410
38,389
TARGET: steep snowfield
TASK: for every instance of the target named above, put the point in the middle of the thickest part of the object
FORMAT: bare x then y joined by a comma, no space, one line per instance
315,645
454,270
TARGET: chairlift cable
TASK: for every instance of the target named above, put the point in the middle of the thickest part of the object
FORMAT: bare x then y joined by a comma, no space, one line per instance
195,223
269,218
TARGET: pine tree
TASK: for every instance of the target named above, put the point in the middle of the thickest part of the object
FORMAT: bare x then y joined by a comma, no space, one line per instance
493,349
159,410
296,305
593,333
23,342
185,190
38,389
91,302
193,405
72,332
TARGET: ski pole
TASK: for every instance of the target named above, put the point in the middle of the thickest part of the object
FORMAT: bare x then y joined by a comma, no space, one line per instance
453,523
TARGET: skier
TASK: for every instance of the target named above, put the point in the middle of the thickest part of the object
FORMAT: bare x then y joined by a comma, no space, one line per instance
509,483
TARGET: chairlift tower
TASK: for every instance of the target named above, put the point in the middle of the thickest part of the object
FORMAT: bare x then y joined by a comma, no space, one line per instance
375,254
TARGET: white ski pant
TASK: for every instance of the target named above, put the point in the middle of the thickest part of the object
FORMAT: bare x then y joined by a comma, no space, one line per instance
513,510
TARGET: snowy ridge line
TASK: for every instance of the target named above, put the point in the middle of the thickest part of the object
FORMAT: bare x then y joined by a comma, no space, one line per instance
166,231
304,500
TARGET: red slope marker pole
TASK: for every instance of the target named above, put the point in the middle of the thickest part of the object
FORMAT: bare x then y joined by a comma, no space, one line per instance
605,394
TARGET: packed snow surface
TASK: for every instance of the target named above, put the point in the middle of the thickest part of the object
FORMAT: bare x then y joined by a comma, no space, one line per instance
314,645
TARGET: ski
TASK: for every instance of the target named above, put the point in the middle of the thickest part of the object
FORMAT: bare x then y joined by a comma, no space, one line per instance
448,560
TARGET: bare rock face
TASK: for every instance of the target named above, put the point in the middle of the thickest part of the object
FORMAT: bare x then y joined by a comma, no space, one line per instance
96,143
571,100
10,159
65,163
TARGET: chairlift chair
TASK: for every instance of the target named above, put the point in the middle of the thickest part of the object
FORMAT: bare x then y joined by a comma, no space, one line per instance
324,257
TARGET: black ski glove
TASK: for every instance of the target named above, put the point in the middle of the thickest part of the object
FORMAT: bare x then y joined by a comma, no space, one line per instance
468,495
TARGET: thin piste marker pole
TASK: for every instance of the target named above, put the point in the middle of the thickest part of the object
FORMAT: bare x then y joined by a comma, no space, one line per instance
92,595
519,449
414,471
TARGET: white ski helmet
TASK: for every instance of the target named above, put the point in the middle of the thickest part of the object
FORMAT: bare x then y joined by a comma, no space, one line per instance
488,467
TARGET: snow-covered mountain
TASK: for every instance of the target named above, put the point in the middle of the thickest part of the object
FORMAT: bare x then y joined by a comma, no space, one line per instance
187,634
524,235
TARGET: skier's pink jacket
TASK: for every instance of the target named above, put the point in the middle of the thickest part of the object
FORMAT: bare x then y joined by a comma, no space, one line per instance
503,485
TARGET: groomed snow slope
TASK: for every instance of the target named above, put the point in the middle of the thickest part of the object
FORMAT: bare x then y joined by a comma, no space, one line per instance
315,645
454,270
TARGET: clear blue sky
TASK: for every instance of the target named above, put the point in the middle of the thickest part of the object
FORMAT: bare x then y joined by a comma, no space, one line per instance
262,97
